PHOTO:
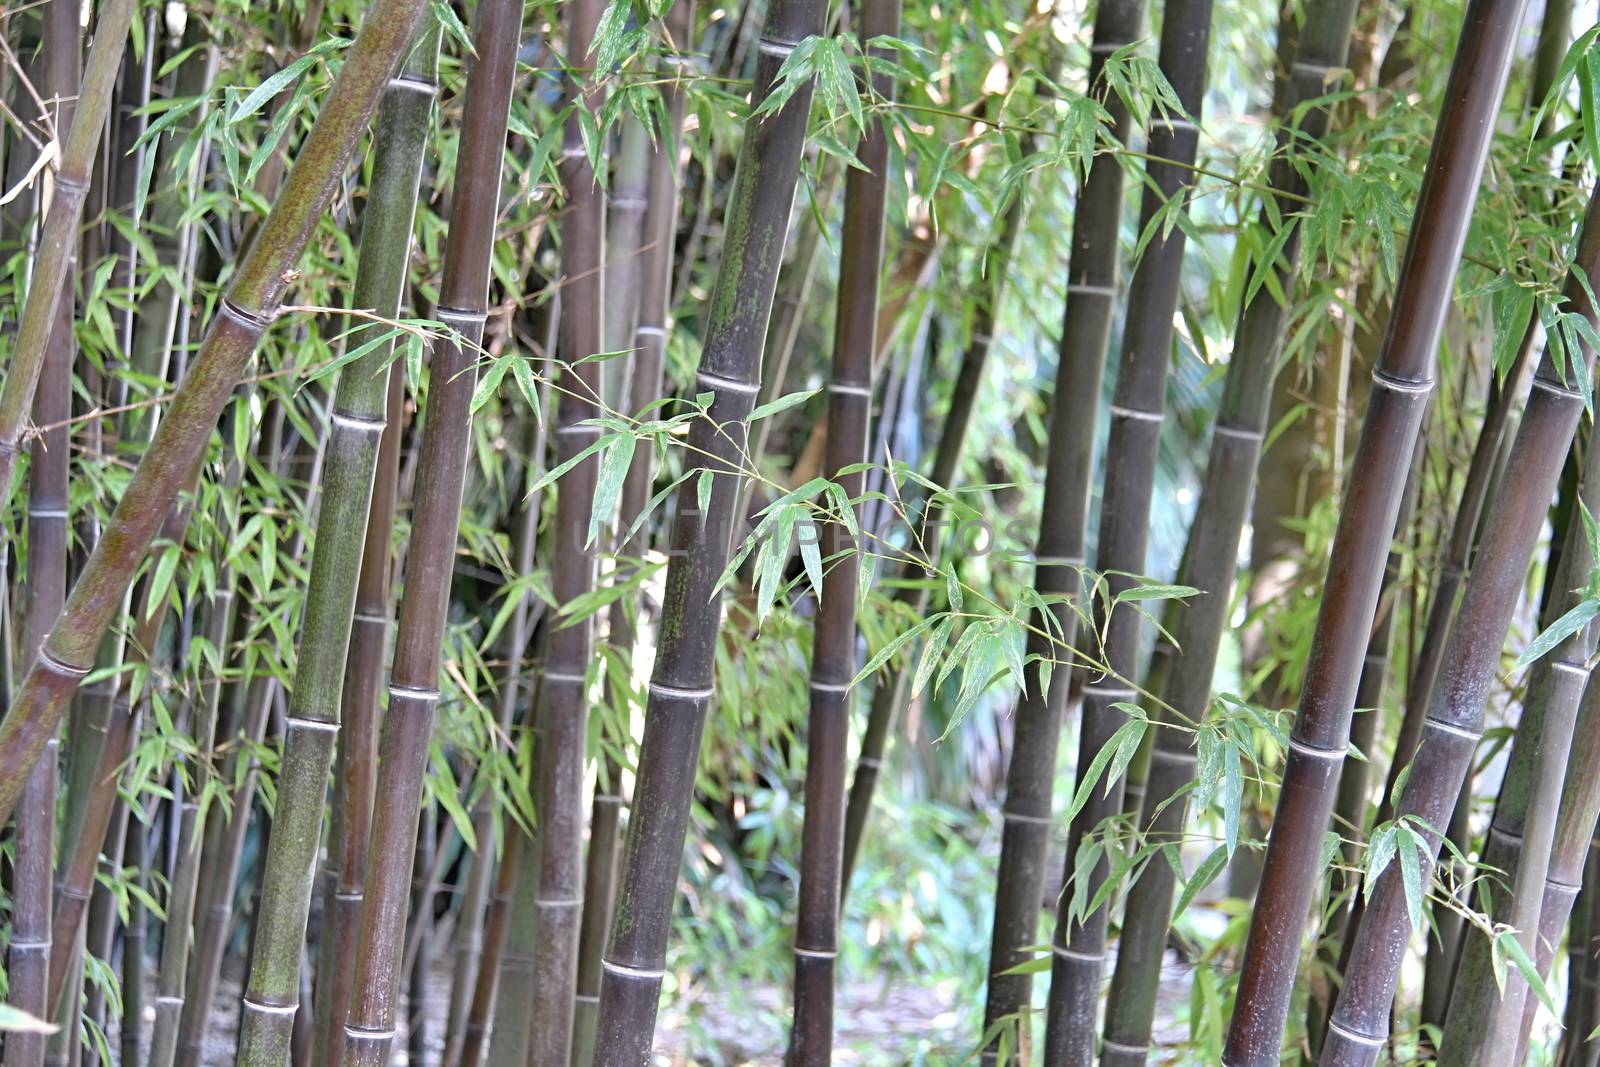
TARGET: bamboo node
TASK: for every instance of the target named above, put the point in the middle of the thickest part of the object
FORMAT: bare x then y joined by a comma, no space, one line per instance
1570,668
1175,124
1402,385
678,691
1115,691
465,316
649,331
1243,433
50,662
850,388
1089,289
413,85
1123,1046
371,616
1314,752
1172,755
321,726
772,46
1019,816
269,1009
817,953
566,676
47,513
360,423
831,687
1360,1039
722,381
633,972
1119,411
413,692
1073,954
1558,389
257,320
1452,729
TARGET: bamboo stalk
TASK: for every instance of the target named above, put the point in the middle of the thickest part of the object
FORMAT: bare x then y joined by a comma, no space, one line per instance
833,658
1085,334
224,845
447,432
58,239
561,716
28,954
272,991
471,946
1455,714
650,341
1402,383
1211,556
369,391
682,683
1137,414
175,939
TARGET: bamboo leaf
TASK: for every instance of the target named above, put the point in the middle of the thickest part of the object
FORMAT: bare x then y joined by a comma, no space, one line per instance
269,88
783,403
14,1020
1203,876
1232,795
883,654
1411,850
810,554
931,652
1134,727
1558,631
614,464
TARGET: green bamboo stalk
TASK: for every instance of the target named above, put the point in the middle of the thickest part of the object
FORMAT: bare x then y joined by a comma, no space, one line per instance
1402,383
272,992
833,661
370,392
682,683
447,433
1183,680
1137,414
58,239
254,294
650,342
561,717
1455,715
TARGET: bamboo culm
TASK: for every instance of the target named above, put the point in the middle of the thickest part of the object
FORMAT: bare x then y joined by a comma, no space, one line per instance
1521,836
1211,557
1059,554
1137,413
1455,713
682,683
833,659
649,343
363,450
58,238
441,472
1402,384
272,991
561,719
30,948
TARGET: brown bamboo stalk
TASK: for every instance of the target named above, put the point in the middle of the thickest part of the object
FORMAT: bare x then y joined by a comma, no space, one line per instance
682,683
414,679
833,658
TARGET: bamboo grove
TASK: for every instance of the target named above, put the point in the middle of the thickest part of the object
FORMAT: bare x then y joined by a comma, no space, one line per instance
635,531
